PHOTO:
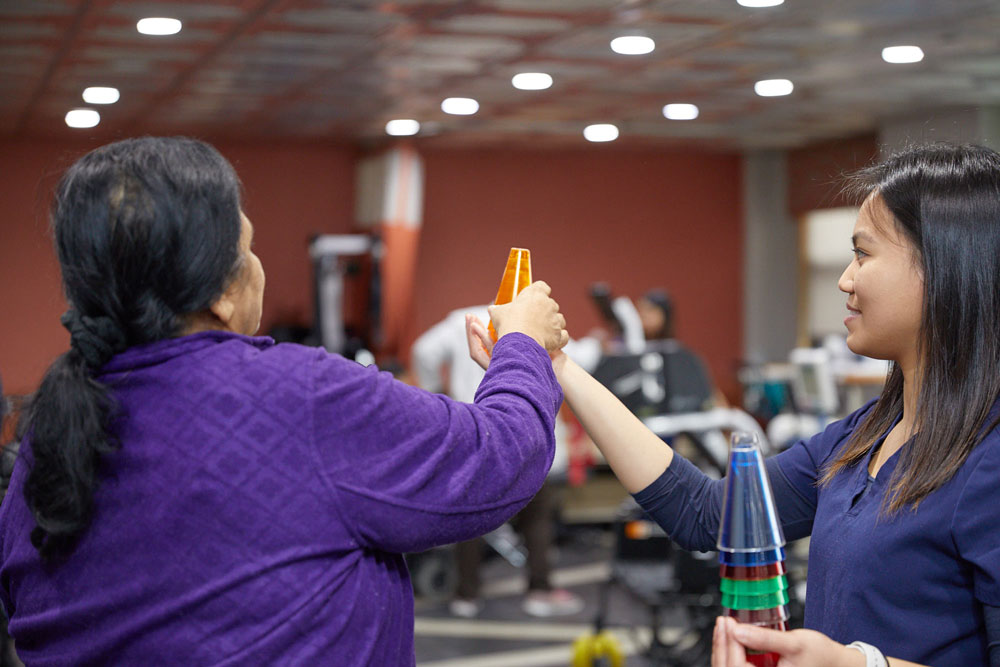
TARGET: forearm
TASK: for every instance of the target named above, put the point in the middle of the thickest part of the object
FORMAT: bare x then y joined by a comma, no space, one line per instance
636,455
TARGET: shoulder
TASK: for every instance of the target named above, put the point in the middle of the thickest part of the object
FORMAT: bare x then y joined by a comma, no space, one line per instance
982,467
826,444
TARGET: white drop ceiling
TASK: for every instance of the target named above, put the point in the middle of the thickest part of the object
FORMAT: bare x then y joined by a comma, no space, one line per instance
308,69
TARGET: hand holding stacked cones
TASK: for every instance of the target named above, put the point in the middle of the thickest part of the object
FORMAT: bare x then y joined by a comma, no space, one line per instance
516,276
751,546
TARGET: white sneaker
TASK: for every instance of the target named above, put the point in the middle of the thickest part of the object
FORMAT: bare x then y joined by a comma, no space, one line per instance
465,608
557,602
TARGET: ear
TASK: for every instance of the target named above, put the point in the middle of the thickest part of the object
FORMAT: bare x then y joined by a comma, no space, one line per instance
224,307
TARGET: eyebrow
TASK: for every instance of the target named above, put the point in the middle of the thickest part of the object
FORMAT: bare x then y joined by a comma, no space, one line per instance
862,236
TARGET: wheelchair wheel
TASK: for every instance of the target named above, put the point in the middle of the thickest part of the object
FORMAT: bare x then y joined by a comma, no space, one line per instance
434,574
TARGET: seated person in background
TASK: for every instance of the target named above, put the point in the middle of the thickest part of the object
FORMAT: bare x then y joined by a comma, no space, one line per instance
656,312
189,494
442,353
900,497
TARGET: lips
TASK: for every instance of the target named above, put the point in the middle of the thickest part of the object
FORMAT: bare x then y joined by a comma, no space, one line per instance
852,314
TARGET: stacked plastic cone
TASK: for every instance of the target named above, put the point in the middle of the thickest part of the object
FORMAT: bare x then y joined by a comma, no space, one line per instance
752,546
516,276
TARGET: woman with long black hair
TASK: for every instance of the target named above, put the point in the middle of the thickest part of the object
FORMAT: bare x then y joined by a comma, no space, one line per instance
187,493
902,497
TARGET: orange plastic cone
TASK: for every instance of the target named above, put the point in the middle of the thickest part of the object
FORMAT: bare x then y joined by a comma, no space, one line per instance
516,277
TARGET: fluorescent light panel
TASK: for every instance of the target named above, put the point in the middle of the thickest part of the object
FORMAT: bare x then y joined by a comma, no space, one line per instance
82,118
100,95
680,111
902,54
460,106
773,87
158,26
600,132
532,81
402,127
632,45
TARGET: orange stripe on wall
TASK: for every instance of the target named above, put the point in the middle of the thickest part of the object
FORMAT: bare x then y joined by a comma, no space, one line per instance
399,268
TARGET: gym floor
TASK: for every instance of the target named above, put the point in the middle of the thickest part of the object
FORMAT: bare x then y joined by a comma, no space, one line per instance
585,559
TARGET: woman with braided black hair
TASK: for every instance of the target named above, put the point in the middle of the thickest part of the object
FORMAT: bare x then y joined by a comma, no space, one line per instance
187,493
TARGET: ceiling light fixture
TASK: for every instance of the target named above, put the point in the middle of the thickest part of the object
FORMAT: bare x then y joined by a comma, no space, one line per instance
773,87
532,81
402,127
760,3
82,118
632,45
902,54
680,111
600,132
100,95
460,106
158,26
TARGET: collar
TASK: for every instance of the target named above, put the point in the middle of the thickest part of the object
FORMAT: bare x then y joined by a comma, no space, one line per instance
157,352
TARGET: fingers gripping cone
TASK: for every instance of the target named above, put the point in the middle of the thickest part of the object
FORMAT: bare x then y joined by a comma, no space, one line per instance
752,545
516,277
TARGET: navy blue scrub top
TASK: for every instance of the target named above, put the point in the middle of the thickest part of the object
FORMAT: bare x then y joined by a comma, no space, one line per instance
914,583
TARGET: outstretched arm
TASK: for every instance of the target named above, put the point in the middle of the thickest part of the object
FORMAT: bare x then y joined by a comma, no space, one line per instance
636,455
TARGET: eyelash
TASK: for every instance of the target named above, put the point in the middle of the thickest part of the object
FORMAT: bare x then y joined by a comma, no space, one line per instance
858,253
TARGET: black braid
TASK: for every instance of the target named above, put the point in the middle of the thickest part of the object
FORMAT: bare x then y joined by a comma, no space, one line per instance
147,232
96,339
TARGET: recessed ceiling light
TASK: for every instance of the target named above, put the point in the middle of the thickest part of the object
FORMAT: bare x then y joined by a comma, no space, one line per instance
402,127
632,45
600,132
902,54
532,81
158,26
82,118
460,106
680,111
760,3
773,87
100,95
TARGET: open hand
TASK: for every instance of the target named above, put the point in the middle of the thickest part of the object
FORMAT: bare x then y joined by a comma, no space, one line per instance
480,343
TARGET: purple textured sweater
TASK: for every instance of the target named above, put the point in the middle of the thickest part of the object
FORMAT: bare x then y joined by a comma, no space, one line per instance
259,504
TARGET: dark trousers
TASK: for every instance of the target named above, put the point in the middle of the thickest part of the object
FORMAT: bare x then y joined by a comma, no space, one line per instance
534,523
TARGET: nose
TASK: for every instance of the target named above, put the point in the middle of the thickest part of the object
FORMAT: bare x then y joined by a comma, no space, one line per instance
846,282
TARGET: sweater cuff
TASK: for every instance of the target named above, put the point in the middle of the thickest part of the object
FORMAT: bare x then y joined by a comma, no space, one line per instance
536,354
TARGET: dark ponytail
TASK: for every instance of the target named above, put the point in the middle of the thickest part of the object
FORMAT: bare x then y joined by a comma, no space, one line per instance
147,232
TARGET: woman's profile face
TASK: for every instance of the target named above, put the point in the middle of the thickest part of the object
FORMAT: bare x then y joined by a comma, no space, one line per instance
247,291
885,289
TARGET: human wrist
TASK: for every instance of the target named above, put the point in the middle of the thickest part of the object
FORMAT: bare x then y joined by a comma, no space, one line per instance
871,655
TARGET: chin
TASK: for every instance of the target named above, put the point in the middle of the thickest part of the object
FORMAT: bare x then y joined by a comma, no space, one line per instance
858,347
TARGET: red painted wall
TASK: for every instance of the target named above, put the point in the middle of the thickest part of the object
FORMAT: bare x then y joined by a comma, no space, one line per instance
816,172
292,191
635,219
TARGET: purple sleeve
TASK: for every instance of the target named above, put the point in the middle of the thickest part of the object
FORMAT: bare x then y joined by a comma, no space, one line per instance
410,470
